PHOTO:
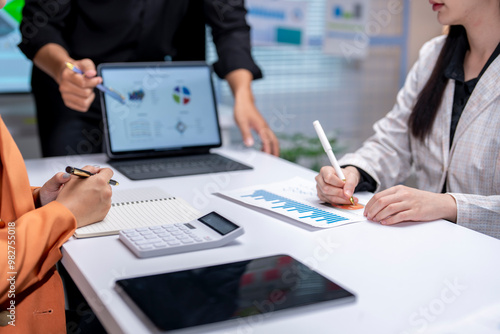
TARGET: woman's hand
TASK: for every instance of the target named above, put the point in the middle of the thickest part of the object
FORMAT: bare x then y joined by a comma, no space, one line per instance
332,189
77,90
246,114
89,199
49,191
248,118
400,203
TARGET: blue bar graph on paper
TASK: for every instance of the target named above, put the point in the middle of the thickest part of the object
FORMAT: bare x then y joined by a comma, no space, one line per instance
291,205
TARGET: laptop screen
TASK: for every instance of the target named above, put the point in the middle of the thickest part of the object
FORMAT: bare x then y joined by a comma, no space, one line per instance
167,107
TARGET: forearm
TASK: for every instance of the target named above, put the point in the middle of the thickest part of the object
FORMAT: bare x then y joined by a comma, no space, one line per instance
36,241
479,213
448,207
37,34
51,59
240,81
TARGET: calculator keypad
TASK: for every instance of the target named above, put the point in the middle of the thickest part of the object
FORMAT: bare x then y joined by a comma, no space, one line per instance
164,236
176,238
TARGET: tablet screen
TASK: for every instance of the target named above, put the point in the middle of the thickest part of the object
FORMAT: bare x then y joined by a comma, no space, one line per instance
168,106
229,291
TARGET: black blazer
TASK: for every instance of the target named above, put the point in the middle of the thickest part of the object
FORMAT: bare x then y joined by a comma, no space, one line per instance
147,30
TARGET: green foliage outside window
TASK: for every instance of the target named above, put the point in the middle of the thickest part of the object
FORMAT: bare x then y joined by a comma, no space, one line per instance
305,151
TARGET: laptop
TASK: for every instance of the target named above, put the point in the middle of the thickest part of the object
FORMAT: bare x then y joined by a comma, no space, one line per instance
167,123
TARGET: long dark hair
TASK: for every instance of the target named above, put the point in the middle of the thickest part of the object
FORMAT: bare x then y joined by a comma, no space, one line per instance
429,99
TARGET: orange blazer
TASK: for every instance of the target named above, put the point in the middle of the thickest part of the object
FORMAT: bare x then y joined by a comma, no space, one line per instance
29,280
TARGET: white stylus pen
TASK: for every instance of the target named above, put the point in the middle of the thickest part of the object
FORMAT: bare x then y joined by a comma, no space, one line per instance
329,152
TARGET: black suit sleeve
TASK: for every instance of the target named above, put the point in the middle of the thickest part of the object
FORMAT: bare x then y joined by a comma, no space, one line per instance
231,35
43,22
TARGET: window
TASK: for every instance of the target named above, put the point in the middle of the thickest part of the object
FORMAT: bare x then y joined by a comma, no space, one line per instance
302,85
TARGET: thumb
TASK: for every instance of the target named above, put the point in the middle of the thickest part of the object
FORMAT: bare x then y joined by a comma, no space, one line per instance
87,66
55,183
349,186
57,180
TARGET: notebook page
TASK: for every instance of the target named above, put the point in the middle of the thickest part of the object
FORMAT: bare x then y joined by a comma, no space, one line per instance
140,208
138,194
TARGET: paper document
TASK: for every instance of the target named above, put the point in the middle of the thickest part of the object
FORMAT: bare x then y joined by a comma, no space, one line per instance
143,207
296,198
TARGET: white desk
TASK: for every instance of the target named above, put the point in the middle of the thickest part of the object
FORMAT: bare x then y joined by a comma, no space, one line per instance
408,278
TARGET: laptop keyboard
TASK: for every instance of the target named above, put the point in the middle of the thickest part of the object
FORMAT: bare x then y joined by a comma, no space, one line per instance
176,166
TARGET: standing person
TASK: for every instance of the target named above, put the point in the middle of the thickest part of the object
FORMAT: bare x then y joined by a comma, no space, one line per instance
445,126
87,33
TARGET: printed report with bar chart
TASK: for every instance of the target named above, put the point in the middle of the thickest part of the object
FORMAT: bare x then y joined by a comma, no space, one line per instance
296,198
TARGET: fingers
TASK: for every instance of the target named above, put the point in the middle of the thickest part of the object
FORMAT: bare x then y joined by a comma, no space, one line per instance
87,80
105,173
378,202
388,209
89,199
351,180
270,143
77,90
54,183
402,216
87,66
330,188
248,118
49,191
246,134
78,103
91,168
395,205
57,180
329,177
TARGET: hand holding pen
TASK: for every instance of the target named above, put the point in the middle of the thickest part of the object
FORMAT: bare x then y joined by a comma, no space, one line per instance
331,156
77,83
90,200
107,90
85,173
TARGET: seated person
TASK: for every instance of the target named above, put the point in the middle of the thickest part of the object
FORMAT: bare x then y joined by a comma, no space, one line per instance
34,223
444,126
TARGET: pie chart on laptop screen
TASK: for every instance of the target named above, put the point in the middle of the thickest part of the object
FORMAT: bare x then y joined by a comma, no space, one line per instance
181,95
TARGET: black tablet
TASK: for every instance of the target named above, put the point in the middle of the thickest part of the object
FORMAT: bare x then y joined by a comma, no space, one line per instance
224,292
169,109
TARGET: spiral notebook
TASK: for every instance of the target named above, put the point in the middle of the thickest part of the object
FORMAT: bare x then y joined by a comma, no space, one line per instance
142,207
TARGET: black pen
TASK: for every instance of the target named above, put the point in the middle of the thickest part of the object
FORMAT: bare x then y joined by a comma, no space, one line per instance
85,173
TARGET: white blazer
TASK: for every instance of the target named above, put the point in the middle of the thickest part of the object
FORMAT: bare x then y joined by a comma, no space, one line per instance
472,165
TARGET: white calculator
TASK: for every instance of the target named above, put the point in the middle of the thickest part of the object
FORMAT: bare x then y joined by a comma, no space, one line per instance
211,230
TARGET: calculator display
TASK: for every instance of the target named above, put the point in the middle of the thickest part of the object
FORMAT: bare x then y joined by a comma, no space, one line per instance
218,223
